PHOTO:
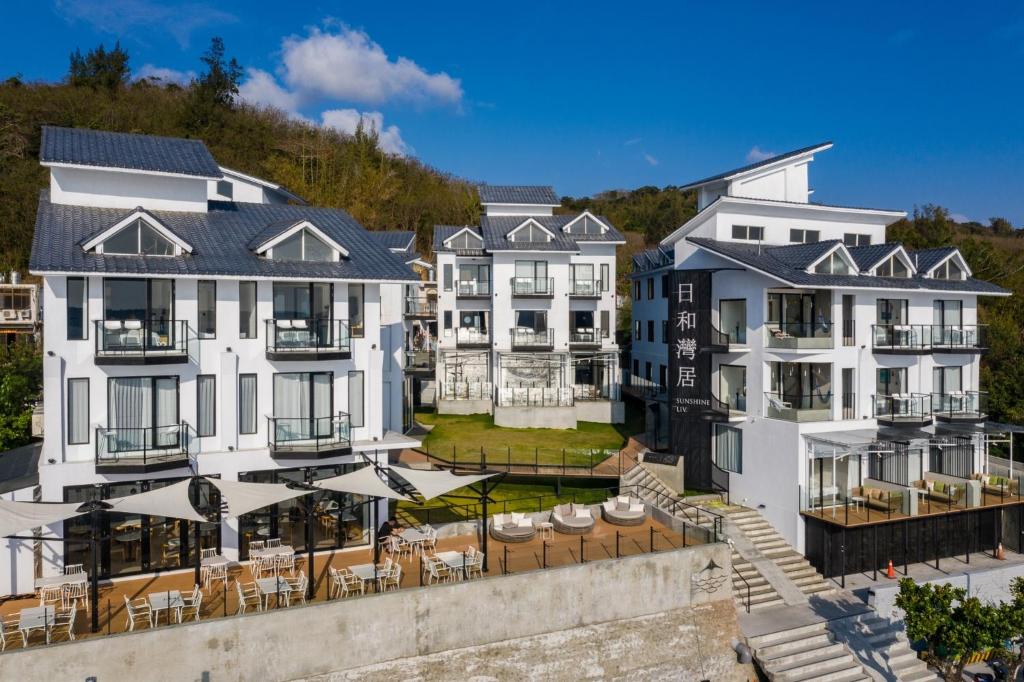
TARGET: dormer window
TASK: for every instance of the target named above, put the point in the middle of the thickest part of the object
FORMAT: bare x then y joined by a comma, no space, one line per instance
299,241
139,234
833,264
464,240
585,224
893,266
948,270
752,233
531,232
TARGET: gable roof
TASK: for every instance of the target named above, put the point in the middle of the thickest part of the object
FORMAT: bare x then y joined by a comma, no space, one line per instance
653,259
104,149
279,230
272,186
926,259
396,241
92,240
802,256
867,257
221,239
779,262
742,170
495,230
538,195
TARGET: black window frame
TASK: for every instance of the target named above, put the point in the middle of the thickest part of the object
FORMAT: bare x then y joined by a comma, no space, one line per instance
209,315
362,398
448,275
243,333
354,331
84,309
606,321
255,405
199,406
88,413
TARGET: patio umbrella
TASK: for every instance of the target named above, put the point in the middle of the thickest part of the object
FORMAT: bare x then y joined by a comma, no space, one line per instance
431,483
242,498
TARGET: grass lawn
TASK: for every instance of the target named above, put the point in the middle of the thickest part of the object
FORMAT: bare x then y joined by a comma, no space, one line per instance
508,497
469,433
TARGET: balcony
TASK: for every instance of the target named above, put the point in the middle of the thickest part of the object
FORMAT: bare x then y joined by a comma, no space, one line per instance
585,339
472,288
309,437
733,409
585,288
965,407
141,342
533,287
308,339
798,408
798,335
420,361
962,338
547,396
421,308
142,450
902,409
529,339
901,339
471,337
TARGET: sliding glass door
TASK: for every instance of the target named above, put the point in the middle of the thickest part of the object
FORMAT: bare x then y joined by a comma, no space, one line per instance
138,313
142,413
303,404
310,302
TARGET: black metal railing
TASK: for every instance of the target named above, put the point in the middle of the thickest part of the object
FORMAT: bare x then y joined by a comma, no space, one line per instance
471,288
719,338
798,408
141,338
902,407
532,338
960,337
309,434
901,337
799,334
308,335
960,405
585,337
590,288
533,286
424,307
143,445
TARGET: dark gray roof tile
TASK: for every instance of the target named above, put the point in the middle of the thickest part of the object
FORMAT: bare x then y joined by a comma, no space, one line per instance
926,259
518,194
100,148
756,165
867,257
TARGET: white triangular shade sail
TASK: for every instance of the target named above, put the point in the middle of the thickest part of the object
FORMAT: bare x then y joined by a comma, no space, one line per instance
18,517
363,481
436,482
171,502
242,498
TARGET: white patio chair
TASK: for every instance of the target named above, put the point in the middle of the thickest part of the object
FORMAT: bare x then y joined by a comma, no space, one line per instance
284,562
257,545
51,594
298,588
214,574
439,572
475,568
64,624
207,552
393,580
73,569
273,542
9,632
72,593
335,582
430,544
248,596
138,612
192,605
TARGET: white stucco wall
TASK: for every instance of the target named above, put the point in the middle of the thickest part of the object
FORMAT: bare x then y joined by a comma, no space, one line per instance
106,188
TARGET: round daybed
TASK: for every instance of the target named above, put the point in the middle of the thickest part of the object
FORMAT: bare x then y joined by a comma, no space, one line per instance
624,511
514,527
572,519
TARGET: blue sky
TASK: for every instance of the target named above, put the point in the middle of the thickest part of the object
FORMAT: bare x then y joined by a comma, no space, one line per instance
924,100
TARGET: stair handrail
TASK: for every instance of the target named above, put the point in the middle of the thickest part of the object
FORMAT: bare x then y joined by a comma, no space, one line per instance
737,572
716,519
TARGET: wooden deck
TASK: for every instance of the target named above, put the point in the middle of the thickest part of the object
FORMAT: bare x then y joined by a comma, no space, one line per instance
601,543
851,515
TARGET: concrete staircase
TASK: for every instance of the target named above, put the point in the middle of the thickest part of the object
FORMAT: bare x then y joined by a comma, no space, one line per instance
883,647
648,487
762,594
806,653
769,543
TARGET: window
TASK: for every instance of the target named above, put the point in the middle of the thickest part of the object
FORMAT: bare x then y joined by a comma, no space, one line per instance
804,236
246,403
729,448
854,239
650,331
636,368
78,411
748,232
584,225
650,288
647,371
892,267
150,301
303,405
78,308
891,311
247,310
891,381
448,276
206,405
583,283
664,331
303,301
537,320
946,380
226,189
833,264
138,239
605,323
355,310
355,398
732,317
142,413
947,313
529,232
664,286
467,241
447,320
474,280
948,270
606,277
207,296
636,290
304,246
662,375
636,330
531,278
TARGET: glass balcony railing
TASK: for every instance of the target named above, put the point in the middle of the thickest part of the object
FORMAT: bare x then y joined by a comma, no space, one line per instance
301,337
798,335
585,288
535,287
304,435
926,338
960,405
421,307
470,337
585,337
959,338
532,338
420,360
142,340
798,408
552,396
903,408
472,288
142,448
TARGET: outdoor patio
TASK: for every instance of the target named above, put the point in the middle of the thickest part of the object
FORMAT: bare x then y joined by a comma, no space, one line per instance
850,512
604,542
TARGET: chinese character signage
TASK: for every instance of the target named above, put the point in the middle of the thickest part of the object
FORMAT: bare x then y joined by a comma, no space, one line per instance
689,366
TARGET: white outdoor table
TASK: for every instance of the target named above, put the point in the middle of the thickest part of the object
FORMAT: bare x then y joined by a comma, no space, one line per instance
368,573
273,586
455,561
273,551
413,537
36,618
216,560
69,579
169,600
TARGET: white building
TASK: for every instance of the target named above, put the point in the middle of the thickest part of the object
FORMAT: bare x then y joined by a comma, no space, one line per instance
844,370
526,313
196,323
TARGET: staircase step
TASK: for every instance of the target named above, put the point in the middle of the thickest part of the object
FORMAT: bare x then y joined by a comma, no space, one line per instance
794,646
771,638
799,656
811,667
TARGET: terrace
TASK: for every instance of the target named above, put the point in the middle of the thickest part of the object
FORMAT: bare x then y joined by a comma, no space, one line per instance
308,339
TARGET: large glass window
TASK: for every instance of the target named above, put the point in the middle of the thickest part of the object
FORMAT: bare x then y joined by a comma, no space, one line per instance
247,310
305,246
356,399
448,277
892,267
139,238
302,300
891,311
891,381
947,380
948,270
474,280
356,310
78,411
303,405
246,403
78,308
729,448
833,264
206,405
142,412
536,320
732,315
150,301
207,299
805,315
947,313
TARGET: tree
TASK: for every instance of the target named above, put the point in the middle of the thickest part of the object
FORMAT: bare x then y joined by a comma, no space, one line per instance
1011,615
100,69
1001,226
21,380
952,625
215,90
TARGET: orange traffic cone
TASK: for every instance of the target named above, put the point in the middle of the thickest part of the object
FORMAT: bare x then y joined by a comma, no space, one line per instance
890,572
1000,554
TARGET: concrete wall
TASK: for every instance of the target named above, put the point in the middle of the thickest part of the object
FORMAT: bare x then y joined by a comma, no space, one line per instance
464,406
672,476
534,418
602,411
363,631
988,585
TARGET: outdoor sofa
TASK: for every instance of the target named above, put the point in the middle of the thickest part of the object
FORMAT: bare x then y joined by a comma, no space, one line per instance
941,491
998,485
514,527
882,500
623,511
572,519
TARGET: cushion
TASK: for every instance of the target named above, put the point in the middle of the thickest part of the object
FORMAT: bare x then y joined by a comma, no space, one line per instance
563,510
939,487
583,513
508,526
517,516
623,499
930,485
636,507
525,523
622,506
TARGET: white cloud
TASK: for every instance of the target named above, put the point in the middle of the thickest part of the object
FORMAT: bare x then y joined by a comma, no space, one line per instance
959,217
124,17
757,154
261,88
164,74
633,140
651,160
346,120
